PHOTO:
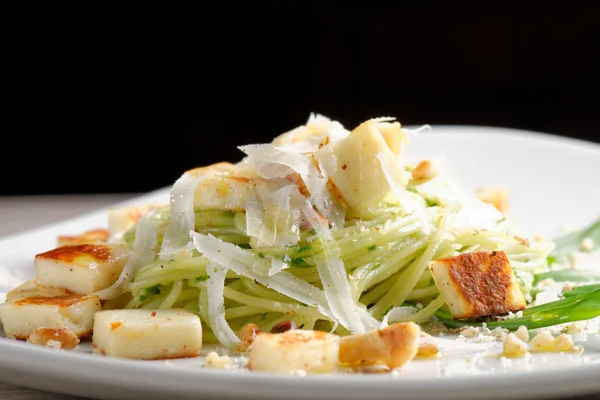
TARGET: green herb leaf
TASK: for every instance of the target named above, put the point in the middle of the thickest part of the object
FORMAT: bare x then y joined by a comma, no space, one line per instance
579,304
300,262
372,247
200,278
569,275
303,249
571,242
153,289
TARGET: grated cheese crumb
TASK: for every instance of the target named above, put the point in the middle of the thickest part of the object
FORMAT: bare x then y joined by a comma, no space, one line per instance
568,286
213,360
575,327
469,332
500,333
544,283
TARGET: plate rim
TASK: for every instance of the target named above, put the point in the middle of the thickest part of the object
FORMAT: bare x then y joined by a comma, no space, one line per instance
585,374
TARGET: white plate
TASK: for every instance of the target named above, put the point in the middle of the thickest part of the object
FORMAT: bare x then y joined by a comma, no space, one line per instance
552,185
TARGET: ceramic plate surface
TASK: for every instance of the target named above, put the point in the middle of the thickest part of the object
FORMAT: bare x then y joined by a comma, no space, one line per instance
552,188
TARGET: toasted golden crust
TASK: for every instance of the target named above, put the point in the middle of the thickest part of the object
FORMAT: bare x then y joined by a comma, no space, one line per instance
33,288
67,254
87,236
478,284
42,336
60,301
311,351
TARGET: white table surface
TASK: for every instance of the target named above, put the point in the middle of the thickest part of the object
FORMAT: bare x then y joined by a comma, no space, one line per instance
19,213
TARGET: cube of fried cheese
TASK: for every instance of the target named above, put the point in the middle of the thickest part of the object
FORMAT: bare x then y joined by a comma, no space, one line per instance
294,350
478,284
146,334
354,165
82,269
28,309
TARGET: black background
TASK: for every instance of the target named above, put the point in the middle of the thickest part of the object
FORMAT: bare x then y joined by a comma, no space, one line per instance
124,96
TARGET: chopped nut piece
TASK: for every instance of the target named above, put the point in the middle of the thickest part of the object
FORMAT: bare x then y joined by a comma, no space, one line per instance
427,346
587,244
246,335
496,195
424,171
284,327
522,333
213,360
543,341
513,346
393,346
564,342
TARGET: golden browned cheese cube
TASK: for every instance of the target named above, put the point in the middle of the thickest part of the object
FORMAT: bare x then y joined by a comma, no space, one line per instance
478,284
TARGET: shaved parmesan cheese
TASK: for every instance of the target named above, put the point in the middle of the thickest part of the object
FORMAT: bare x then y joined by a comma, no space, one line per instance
271,220
273,162
397,314
182,216
277,265
246,263
396,179
142,253
417,131
216,306
333,276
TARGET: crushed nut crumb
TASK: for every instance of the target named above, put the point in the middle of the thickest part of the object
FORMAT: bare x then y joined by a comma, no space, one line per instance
514,346
213,360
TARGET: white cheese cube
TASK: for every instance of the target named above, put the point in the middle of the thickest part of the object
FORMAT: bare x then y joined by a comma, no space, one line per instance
146,334
295,350
478,284
27,310
354,170
84,268
224,187
121,219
